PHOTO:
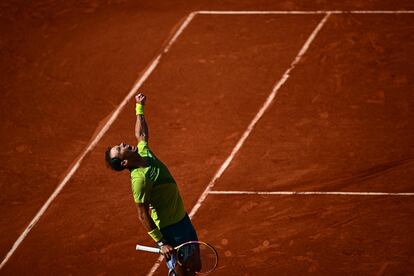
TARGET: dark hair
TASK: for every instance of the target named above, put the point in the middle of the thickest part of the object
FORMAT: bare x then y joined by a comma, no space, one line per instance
114,163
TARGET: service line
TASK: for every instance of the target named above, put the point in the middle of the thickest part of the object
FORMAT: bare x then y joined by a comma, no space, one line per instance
72,170
305,12
308,193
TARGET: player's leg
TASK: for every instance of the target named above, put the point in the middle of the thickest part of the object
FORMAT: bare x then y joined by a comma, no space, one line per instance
178,271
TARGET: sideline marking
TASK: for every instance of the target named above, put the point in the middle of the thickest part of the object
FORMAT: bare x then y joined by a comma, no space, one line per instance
250,127
308,193
305,12
97,138
259,114
179,31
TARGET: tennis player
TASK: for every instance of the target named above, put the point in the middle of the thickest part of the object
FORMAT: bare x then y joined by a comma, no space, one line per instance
155,192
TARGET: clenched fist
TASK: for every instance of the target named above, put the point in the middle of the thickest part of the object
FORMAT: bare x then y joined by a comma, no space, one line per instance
140,98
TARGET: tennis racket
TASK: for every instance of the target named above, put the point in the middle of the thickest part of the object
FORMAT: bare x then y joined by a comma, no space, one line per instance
196,256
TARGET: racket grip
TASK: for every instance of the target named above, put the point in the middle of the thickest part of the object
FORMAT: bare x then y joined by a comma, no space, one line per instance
147,248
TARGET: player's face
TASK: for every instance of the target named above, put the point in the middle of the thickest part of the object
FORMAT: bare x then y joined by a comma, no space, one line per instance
122,151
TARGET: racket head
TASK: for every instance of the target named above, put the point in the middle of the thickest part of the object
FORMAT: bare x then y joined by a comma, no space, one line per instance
197,256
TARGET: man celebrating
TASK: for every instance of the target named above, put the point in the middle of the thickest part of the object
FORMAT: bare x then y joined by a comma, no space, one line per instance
160,207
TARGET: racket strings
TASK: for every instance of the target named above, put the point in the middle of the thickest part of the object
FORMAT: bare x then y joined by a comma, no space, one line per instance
198,257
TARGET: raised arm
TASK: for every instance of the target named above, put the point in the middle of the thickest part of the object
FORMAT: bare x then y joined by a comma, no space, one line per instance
141,128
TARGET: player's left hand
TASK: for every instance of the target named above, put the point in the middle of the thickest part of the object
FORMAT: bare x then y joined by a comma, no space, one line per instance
140,98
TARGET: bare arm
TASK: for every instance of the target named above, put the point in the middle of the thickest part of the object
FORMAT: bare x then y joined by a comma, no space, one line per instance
146,220
144,216
141,128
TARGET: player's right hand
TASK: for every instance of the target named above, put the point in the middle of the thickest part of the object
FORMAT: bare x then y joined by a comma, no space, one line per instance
167,250
140,98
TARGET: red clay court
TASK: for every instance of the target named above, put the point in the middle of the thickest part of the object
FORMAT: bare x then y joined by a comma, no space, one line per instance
288,127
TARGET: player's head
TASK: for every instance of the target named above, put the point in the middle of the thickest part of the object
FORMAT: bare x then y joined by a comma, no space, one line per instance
119,157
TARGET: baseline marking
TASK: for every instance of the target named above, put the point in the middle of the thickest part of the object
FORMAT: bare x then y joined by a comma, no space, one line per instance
306,12
250,127
96,139
308,193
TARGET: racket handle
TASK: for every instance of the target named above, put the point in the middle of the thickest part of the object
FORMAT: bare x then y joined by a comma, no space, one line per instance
147,248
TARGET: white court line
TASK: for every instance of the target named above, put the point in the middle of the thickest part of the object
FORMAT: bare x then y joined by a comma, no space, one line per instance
95,141
308,193
179,31
305,12
259,114
250,127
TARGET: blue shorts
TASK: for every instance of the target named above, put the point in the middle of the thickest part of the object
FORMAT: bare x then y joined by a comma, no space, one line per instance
176,234
180,232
